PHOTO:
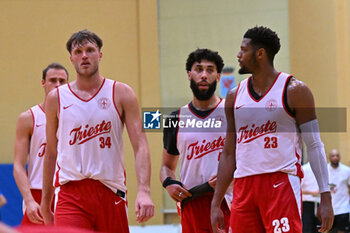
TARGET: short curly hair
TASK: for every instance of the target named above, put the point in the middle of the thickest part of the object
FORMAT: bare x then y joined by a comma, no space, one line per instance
204,54
264,37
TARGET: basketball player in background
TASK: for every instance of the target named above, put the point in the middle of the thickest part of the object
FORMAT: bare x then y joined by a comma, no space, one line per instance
263,145
88,117
198,167
30,146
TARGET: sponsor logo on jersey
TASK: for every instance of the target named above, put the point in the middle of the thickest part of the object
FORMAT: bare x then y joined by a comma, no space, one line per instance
276,185
248,133
83,134
198,149
151,120
65,107
238,107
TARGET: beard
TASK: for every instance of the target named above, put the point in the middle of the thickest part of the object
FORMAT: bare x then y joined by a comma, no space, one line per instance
88,73
243,70
205,94
253,62
335,163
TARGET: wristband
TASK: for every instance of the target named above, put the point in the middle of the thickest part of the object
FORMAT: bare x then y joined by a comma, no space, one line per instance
170,181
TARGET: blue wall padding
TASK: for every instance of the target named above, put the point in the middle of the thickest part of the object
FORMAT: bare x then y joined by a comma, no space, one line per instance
11,213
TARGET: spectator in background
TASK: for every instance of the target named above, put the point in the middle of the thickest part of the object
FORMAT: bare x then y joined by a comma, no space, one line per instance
311,199
339,181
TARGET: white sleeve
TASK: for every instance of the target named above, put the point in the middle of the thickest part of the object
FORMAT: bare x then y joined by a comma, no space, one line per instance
317,156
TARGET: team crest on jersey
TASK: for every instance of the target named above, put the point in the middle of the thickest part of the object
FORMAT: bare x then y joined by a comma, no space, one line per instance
271,105
103,103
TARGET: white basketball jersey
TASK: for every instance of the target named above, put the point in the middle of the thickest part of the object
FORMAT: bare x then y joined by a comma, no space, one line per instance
37,148
268,139
90,143
200,146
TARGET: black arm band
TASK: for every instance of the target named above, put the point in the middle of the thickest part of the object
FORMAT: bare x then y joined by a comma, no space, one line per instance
169,181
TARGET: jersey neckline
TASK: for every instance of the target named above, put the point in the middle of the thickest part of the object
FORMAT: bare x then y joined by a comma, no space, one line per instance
262,97
209,111
104,79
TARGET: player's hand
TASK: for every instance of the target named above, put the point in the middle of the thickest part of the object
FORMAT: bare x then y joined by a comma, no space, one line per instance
33,212
177,192
144,207
325,212
47,214
217,219
212,181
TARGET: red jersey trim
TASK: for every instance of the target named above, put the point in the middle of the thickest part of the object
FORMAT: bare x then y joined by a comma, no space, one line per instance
57,182
188,105
125,177
234,100
58,98
115,106
265,93
284,89
41,109
31,111
297,164
177,131
92,96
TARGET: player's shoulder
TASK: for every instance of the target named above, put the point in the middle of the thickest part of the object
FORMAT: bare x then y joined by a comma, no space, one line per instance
53,94
232,92
25,119
298,93
296,85
25,114
345,167
123,89
67,87
230,96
